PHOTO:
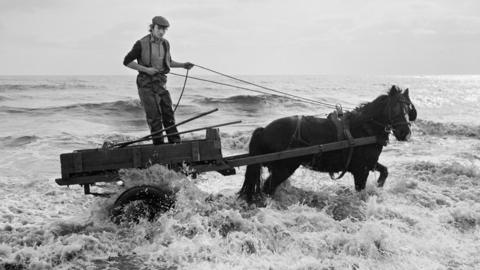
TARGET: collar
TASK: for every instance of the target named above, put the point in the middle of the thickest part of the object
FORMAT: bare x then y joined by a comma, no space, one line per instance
154,39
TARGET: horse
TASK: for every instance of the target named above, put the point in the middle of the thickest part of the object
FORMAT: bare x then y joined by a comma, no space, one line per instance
388,113
412,116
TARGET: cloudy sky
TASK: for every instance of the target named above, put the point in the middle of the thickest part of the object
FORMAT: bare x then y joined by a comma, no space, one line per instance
246,37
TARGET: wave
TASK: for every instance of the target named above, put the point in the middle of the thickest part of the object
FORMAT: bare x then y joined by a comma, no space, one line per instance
427,183
236,141
68,140
109,108
46,86
253,100
333,224
434,170
11,141
427,127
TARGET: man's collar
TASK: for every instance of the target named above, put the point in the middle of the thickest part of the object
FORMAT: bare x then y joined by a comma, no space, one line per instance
154,39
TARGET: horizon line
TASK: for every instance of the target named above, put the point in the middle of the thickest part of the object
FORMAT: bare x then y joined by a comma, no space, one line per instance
304,74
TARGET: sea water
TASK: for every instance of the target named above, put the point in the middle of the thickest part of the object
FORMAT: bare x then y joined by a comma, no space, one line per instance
426,217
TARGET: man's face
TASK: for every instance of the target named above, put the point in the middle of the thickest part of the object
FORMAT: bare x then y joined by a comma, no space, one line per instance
159,31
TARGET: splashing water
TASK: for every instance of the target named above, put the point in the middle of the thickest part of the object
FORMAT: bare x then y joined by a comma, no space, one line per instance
426,217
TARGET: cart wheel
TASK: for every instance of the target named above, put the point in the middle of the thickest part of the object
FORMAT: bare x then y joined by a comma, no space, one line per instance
142,202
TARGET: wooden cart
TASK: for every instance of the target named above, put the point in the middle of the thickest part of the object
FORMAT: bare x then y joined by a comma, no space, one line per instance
90,166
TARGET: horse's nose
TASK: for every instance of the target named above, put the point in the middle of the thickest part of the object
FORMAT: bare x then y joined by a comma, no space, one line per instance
402,134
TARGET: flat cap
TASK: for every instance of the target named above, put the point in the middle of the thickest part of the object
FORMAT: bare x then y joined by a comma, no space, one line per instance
161,21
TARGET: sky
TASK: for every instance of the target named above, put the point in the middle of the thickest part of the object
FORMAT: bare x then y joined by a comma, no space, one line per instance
255,37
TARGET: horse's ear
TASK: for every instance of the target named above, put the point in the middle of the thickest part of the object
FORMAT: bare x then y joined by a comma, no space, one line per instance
393,90
405,93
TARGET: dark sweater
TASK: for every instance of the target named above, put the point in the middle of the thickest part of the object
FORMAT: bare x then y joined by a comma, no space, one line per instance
134,54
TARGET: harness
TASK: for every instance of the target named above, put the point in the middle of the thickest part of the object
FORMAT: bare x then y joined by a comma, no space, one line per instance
343,133
297,134
389,127
342,125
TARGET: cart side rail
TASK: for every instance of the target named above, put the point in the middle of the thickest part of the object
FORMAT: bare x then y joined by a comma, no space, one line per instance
244,160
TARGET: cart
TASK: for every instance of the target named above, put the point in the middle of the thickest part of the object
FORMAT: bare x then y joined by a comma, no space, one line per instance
91,166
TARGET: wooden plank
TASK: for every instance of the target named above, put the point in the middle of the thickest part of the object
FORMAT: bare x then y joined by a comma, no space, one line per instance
91,179
97,161
78,162
195,151
211,167
66,165
236,156
245,159
209,152
213,134
137,157
298,152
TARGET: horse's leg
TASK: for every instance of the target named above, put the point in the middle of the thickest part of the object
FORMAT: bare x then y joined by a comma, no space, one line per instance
251,185
360,178
279,172
383,174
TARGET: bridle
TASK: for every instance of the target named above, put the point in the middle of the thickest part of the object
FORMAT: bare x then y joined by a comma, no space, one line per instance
389,127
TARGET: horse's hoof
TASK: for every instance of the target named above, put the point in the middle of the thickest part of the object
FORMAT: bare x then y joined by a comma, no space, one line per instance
362,195
259,200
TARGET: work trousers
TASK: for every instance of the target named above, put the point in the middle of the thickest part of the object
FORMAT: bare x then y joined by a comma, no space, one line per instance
157,104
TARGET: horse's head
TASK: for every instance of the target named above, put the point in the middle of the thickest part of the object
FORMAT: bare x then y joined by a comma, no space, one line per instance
399,111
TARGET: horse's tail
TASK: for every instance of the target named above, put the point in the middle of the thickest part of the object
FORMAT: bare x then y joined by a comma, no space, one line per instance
251,185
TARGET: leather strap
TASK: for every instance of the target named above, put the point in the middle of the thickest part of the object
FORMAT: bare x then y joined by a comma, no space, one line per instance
297,135
351,144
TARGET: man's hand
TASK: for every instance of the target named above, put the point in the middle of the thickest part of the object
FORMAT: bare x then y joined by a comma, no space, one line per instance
150,71
188,65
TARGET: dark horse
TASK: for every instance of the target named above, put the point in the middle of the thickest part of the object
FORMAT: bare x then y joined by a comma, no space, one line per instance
387,113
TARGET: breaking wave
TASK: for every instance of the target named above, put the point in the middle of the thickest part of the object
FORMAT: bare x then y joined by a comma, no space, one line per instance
253,100
206,231
437,185
11,141
449,174
427,127
334,227
432,169
46,86
107,108
236,141
426,217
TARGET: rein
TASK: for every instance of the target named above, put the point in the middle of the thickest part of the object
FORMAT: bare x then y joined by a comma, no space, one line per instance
388,127
268,92
183,90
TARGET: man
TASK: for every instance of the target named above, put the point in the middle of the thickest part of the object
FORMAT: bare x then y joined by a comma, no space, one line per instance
153,62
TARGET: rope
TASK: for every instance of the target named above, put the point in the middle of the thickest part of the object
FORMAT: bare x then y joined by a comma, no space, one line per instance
298,98
183,90
267,88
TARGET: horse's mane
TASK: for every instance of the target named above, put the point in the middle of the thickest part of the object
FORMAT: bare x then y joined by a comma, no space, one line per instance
369,110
